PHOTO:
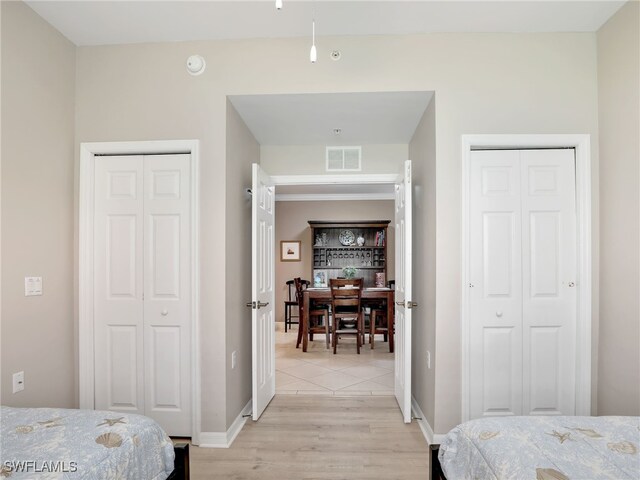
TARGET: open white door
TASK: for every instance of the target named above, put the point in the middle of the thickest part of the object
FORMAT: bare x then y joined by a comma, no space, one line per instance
262,292
404,303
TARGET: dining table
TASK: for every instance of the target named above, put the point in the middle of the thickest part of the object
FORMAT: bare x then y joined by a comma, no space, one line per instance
370,296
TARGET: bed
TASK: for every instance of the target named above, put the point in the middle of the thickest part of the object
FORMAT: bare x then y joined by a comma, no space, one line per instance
540,448
55,443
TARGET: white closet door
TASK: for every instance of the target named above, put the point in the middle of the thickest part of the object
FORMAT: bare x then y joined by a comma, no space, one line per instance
118,313
167,292
495,321
142,315
549,275
522,292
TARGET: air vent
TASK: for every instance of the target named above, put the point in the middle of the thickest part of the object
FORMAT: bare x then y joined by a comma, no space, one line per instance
344,159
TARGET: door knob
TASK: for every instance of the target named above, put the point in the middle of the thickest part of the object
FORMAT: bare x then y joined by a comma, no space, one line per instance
165,312
400,303
251,304
260,304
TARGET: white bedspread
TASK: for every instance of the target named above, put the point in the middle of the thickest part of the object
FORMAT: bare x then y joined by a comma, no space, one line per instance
54,443
543,448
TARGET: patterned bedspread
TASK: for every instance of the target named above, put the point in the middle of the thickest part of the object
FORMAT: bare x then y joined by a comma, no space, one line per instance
543,448
54,443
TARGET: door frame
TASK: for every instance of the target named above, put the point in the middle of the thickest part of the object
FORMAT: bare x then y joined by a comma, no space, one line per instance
88,151
582,145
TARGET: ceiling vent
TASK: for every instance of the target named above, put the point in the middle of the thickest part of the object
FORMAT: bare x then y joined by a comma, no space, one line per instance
344,159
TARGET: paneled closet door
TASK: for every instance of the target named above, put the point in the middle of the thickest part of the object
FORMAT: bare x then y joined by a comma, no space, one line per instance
549,276
167,292
142,318
522,293
118,270
495,320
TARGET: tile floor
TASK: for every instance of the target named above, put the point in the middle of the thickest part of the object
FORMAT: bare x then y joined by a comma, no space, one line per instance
320,372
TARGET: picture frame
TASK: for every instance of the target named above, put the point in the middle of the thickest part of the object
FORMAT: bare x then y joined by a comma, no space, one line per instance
290,250
320,279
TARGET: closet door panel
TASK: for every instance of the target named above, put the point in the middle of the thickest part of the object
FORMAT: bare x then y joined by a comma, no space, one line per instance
495,321
167,292
549,276
118,283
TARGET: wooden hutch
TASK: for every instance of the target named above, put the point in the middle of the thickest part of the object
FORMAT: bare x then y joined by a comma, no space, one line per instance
359,244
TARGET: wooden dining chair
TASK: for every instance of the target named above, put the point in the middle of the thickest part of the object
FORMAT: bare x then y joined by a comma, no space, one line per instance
378,322
346,309
318,320
291,304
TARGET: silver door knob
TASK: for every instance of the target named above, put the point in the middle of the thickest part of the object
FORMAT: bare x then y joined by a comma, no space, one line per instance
498,313
165,312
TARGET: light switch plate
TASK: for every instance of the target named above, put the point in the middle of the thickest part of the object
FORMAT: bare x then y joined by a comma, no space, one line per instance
32,286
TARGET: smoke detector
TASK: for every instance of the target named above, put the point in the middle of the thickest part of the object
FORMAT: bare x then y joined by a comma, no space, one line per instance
335,55
195,65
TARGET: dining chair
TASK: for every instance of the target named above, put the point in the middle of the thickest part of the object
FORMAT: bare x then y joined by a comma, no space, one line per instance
346,309
291,304
318,320
378,322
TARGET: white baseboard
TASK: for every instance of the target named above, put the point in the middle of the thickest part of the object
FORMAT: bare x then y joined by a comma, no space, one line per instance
225,439
427,431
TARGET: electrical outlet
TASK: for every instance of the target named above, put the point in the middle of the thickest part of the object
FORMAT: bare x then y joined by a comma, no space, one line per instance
234,359
18,382
428,359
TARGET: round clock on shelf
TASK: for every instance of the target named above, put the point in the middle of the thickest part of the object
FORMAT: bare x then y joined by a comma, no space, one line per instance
346,237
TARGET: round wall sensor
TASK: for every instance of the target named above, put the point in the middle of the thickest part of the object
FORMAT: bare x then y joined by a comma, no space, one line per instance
335,55
195,64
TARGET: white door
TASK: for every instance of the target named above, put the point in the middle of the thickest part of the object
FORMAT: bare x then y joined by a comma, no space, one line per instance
549,298
522,273
118,283
403,298
262,291
142,274
167,292
495,321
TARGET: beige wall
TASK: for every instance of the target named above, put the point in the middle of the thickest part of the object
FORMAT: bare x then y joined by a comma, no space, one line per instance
619,102
311,159
422,151
242,151
485,83
38,84
292,224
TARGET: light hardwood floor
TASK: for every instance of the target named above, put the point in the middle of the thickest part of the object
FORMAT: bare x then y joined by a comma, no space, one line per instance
308,437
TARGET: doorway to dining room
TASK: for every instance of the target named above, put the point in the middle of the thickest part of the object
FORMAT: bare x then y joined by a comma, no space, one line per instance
318,371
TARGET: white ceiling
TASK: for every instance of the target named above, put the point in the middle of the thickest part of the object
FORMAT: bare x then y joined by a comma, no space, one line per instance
119,22
309,119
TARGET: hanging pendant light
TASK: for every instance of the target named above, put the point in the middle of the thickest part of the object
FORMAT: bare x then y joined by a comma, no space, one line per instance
313,54
278,4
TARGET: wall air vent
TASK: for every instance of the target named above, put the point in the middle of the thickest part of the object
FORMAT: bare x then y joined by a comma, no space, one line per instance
344,159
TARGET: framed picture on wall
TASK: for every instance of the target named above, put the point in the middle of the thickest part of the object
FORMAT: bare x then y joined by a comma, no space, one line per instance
290,251
320,278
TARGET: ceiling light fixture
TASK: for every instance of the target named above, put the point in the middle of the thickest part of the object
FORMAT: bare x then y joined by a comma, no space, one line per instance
278,4
313,54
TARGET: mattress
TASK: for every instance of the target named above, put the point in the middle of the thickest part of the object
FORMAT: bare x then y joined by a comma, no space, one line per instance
543,448
54,443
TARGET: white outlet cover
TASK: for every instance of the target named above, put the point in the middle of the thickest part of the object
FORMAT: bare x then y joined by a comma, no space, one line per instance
18,382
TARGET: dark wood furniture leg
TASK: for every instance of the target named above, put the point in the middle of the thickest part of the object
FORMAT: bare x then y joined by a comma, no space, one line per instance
180,463
435,472
391,320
